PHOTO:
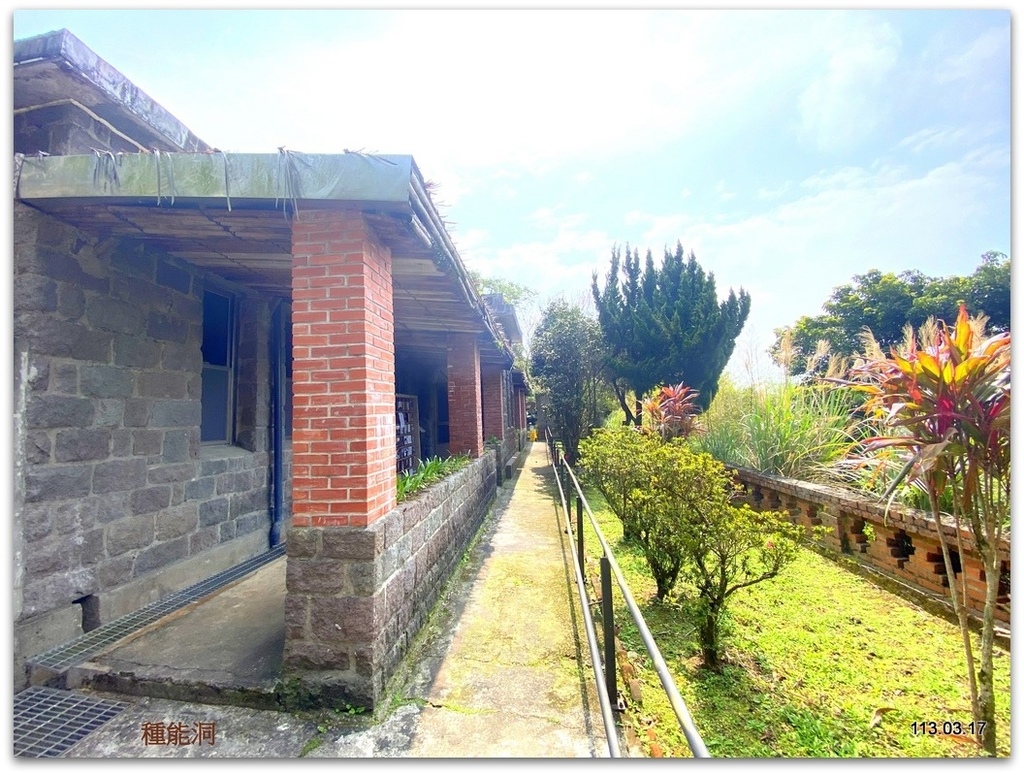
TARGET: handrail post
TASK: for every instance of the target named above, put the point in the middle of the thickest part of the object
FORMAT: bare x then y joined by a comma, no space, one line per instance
609,628
579,535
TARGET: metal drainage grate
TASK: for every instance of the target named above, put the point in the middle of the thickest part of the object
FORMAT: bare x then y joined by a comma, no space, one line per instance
84,646
47,722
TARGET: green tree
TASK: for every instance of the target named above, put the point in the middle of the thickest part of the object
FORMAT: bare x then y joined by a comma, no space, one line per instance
726,546
623,463
885,303
523,299
988,290
566,361
516,294
665,325
881,302
944,401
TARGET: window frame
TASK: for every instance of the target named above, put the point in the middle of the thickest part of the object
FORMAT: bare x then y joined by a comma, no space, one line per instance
229,369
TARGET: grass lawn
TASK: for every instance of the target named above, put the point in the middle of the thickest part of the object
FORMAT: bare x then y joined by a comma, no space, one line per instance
820,663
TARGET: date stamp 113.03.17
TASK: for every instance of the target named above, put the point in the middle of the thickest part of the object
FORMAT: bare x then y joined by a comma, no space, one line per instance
934,728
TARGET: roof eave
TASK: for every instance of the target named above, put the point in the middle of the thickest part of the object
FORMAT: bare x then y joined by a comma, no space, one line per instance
230,177
59,66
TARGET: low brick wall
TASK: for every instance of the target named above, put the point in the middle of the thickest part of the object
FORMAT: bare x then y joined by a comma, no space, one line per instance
905,546
357,597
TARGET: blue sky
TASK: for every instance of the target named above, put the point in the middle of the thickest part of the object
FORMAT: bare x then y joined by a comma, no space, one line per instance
789,150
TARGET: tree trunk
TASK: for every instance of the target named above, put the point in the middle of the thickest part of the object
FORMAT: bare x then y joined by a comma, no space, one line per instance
663,588
708,633
986,676
959,606
620,393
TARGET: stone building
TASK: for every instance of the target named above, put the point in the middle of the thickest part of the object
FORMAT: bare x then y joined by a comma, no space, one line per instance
220,353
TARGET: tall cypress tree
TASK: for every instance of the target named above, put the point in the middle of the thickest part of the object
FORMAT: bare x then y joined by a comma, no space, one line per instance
665,325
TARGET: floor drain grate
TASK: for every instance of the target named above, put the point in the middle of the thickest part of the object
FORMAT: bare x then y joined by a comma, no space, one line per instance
47,722
84,646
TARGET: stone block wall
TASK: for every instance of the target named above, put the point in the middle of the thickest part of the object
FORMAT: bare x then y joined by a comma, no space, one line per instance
905,544
115,498
359,596
514,442
65,129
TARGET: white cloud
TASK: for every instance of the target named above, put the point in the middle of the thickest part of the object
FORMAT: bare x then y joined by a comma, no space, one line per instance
523,90
768,194
470,240
932,138
562,265
841,178
555,218
488,102
980,59
494,87
845,104
845,222
724,194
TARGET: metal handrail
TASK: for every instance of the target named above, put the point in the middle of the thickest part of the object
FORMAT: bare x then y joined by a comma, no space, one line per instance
611,731
686,724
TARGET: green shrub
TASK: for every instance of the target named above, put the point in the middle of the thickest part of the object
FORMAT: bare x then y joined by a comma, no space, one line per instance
680,506
721,427
609,461
797,431
786,429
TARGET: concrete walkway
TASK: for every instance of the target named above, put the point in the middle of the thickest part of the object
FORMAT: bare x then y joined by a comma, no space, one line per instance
501,669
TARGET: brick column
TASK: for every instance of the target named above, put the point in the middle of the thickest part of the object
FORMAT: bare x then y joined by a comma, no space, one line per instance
343,459
343,421
494,401
465,421
520,408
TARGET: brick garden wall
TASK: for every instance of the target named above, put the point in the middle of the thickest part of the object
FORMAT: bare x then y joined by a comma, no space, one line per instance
905,546
353,586
114,496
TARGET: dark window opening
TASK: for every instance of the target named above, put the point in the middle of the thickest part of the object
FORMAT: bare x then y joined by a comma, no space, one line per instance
218,368
288,403
442,414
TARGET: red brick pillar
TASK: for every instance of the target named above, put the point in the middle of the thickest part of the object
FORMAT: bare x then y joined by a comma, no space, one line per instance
343,459
520,408
494,402
465,421
343,426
